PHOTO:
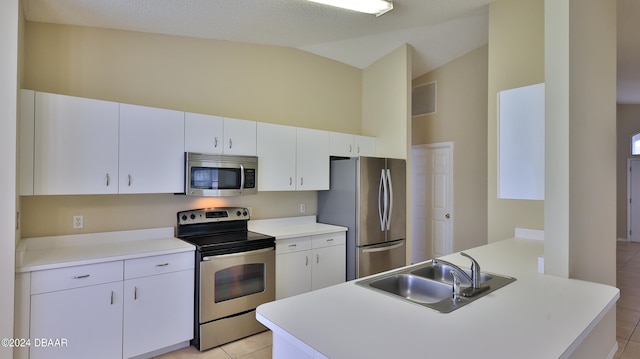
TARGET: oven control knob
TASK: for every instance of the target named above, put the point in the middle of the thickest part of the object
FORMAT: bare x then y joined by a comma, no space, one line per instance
238,213
192,216
245,213
184,217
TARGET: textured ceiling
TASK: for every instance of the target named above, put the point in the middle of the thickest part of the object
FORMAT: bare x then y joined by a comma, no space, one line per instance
438,30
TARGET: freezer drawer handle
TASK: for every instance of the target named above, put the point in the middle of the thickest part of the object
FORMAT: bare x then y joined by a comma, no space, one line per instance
382,249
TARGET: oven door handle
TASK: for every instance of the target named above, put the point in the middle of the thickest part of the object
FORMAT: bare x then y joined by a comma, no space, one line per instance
257,251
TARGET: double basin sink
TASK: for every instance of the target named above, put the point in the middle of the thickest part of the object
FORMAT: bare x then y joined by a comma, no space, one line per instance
431,285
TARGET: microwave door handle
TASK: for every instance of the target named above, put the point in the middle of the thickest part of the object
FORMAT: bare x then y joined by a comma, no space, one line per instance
241,178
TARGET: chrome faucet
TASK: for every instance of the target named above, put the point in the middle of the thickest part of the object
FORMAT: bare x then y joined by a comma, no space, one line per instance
474,279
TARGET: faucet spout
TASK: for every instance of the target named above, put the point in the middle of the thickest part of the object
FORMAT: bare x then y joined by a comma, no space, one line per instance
474,279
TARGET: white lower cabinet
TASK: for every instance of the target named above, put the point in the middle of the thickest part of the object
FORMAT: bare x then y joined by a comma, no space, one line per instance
118,309
308,263
78,323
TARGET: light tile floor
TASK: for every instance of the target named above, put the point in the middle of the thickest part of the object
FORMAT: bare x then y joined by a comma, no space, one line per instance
628,306
628,319
254,347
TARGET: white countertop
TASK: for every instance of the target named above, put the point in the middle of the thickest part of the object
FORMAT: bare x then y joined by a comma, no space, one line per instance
291,227
537,316
41,253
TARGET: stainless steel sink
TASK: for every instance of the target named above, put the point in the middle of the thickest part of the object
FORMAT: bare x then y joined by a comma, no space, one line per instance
413,288
430,285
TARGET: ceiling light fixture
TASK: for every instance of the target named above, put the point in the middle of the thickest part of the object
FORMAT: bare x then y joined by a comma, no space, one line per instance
376,7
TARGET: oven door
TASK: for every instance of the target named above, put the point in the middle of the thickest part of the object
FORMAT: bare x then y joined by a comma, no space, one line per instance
235,283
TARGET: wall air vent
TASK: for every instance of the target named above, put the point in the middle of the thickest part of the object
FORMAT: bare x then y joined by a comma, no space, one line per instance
423,99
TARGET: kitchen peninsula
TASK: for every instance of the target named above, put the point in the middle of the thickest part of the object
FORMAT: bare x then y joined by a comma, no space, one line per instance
537,316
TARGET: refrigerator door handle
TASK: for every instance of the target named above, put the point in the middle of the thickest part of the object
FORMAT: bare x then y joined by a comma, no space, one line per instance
390,199
382,249
382,215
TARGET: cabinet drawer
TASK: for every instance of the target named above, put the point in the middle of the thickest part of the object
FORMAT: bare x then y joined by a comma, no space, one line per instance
75,277
143,267
293,245
330,239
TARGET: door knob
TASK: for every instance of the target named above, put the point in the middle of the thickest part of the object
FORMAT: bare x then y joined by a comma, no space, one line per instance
447,216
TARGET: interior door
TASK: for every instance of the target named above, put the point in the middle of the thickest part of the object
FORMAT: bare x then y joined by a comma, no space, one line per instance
439,199
370,200
634,200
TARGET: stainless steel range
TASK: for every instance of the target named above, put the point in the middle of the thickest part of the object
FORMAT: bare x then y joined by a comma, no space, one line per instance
235,273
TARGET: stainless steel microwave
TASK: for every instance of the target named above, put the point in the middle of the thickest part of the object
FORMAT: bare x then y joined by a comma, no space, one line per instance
209,175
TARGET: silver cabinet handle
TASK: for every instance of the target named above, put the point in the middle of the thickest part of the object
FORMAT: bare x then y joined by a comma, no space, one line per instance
290,181
358,149
108,180
350,148
162,265
81,276
215,142
111,297
135,293
129,179
230,143
329,240
301,181
292,246
317,258
306,263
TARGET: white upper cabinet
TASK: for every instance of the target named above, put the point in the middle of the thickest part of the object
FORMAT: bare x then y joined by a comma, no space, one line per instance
292,158
239,137
219,135
276,145
312,161
348,145
76,145
151,150
203,133
27,133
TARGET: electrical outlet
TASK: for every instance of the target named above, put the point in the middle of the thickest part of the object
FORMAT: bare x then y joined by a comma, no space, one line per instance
303,208
78,222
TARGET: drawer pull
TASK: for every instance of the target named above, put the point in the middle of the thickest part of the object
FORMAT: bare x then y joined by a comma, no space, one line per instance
292,246
162,265
81,276
330,240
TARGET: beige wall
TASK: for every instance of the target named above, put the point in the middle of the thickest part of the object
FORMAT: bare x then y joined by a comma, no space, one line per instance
262,83
8,119
461,118
628,124
516,58
580,177
386,102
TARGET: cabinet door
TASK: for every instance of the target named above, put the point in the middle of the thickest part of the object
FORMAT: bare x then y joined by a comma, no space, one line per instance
293,273
312,169
76,145
276,157
27,132
158,312
341,144
329,266
203,133
151,150
239,137
87,319
364,146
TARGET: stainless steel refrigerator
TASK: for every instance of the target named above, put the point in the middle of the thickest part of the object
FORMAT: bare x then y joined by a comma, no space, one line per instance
368,195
